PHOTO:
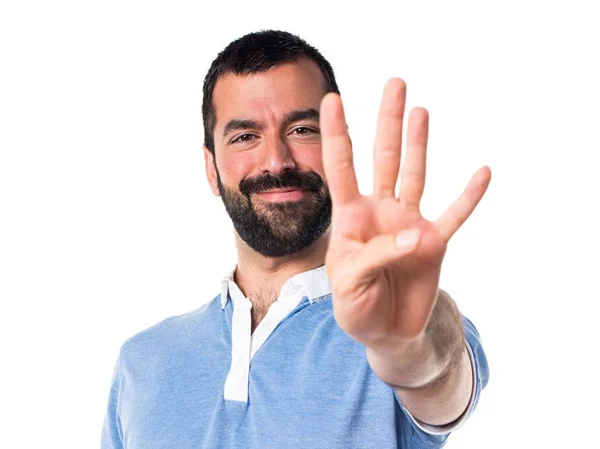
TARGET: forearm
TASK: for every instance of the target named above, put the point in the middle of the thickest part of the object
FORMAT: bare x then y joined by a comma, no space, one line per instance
432,374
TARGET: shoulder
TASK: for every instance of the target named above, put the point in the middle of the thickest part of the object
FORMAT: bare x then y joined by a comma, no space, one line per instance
171,333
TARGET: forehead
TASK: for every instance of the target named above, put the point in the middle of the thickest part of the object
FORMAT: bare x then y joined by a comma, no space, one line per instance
264,95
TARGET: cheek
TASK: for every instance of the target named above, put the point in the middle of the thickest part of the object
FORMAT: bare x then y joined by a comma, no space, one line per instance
312,160
234,168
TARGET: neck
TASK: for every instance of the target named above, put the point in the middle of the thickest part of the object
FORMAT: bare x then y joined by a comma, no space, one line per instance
260,278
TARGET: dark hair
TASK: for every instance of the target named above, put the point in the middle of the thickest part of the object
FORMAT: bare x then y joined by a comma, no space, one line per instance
252,53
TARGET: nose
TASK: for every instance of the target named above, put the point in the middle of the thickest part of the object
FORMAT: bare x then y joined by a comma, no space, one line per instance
276,157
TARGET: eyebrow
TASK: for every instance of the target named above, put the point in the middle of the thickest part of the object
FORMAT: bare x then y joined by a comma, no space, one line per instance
302,114
290,117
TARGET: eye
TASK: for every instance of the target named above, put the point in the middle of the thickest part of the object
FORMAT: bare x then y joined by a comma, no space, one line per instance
304,131
243,138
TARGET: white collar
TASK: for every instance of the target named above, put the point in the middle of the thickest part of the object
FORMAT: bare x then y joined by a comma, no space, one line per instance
314,282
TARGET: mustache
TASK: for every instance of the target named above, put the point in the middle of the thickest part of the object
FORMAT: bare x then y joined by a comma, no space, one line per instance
289,179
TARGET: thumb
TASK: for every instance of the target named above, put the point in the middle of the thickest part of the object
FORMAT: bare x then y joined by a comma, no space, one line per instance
387,249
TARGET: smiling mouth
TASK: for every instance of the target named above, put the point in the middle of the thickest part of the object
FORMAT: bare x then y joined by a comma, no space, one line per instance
286,194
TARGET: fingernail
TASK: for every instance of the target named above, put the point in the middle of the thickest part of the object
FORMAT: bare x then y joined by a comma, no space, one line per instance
406,240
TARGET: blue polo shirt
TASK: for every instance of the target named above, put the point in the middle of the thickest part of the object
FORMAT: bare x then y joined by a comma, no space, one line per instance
201,380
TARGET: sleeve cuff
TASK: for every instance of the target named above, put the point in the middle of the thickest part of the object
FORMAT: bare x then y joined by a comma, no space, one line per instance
452,426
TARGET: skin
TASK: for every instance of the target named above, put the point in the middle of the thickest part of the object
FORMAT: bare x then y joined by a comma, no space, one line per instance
266,98
384,297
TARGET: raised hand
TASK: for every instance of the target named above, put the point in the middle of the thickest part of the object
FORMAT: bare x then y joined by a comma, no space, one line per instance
384,258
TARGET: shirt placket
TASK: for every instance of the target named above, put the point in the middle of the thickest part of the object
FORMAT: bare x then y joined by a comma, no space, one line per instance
236,384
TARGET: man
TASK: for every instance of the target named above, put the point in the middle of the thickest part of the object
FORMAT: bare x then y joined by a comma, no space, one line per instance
331,331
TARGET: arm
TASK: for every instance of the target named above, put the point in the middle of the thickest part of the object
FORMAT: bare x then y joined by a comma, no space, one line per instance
433,373
111,437
384,261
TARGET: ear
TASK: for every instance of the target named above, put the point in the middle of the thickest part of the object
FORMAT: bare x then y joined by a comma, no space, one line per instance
211,171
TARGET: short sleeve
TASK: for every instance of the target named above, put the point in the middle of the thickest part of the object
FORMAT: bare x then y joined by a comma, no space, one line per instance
112,436
438,434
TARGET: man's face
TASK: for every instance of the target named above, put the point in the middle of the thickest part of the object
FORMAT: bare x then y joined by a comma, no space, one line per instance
269,169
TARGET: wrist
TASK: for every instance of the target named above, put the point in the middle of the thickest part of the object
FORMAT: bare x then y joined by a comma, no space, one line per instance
410,364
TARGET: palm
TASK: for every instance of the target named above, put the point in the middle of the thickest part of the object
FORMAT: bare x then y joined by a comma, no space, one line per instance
379,293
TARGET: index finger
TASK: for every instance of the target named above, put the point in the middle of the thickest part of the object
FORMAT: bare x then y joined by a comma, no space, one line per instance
337,151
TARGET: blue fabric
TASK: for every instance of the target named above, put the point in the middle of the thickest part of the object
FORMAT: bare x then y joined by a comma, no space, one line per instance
310,386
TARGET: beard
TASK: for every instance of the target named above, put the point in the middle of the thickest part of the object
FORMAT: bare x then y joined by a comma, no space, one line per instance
276,229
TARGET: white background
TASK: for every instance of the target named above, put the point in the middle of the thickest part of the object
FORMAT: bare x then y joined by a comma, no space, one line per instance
108,224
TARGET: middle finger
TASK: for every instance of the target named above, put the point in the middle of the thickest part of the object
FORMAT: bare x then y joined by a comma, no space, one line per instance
388,138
